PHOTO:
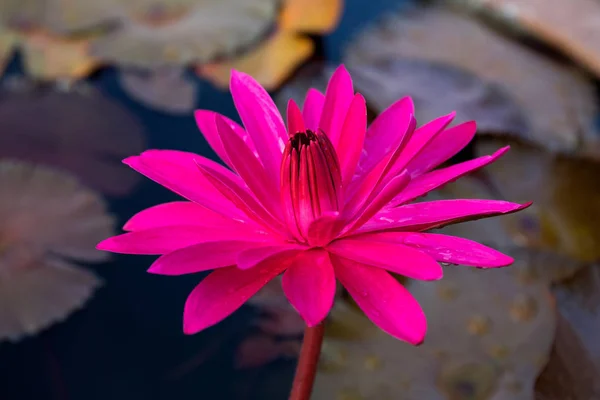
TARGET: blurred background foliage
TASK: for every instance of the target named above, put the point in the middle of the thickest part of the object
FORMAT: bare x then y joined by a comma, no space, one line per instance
84,84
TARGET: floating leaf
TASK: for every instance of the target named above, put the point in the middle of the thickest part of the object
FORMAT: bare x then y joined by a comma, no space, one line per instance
517,235
437,89
153,34
559,102
22,15
566,195
260,37
72,37
49,221
270,63
285,49
573,371
49,57
80,131
167,89
310,16
488,338
572,27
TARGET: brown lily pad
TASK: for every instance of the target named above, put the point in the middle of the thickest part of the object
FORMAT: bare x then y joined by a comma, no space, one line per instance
558,101
49,57
49,223
270,63
167,90
512,234
22,15
573,28
69,38
488,338
46,55
273,60
80,131
310,16
573,371
566,194
153,34
438,89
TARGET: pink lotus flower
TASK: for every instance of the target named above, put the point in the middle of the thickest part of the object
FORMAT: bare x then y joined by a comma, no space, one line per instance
325,199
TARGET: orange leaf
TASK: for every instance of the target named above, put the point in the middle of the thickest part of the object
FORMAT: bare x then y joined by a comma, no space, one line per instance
311,16
270,63
48,57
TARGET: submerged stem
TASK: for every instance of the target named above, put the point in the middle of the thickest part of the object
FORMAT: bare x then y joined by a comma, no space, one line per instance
307,363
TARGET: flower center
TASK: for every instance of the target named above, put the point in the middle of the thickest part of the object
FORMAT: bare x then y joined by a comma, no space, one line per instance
310,181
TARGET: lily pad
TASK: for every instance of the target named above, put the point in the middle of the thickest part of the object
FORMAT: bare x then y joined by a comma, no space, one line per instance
79,131
49,223
23,14
515,234
566,195
167,89
273,60
437,89
573,371
558,101
270,63
154,33
46,55
573,28
488,337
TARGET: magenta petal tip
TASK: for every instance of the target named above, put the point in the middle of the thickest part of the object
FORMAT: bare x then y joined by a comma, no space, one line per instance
188,329
341,69
517,207
130,160
417,337
436,276
154,270
500,152
105,245
505,261
239,77
448,118
471,125
408,102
